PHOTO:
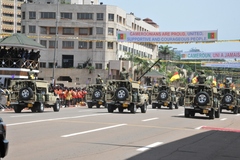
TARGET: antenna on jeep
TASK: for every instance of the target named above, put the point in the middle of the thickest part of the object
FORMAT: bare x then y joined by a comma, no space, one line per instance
149,69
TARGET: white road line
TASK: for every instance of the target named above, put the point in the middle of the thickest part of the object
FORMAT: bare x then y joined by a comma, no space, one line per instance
238,115
223,119
149,146
55,119
199,127
145,120
22,116
94,130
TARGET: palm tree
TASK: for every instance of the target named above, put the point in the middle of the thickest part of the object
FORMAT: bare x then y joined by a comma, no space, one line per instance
165,50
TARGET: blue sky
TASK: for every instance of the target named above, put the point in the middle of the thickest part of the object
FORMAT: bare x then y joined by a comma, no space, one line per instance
190,15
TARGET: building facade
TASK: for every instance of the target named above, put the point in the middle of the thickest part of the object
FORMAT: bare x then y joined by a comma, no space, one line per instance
82,35
10,17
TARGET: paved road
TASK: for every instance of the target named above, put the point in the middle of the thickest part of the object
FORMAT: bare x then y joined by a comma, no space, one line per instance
89,134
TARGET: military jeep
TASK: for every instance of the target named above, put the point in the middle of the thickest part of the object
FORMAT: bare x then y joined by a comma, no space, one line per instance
32,94
229,100
96,95
164,96
201,98
125,95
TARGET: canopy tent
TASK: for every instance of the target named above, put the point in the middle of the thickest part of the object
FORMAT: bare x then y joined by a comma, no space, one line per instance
154,74
21,41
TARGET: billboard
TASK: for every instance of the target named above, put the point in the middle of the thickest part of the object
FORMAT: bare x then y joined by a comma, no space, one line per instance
171,37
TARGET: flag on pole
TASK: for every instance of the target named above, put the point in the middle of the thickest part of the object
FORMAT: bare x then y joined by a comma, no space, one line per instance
175,77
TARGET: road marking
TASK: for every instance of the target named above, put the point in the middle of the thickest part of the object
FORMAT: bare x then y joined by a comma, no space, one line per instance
238,115
55,119
145,120
94,130
223,119
199,127
22,115
149,146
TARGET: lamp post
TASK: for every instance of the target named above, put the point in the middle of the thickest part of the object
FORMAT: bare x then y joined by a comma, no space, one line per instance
132,64
55,44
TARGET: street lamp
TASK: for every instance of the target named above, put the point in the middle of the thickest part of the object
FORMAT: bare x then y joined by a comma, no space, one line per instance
55,44
132,64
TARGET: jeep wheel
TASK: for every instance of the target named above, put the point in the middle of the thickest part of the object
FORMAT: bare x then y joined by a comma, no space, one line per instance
235,110
121,94
154,105
170,105
163,95
238,110
110,108
212,114
97,94
144,108
217,113
25,93
89,104
202,98
17,108
56,106
227,98
40,107
133,108
120,109
186,112
34,109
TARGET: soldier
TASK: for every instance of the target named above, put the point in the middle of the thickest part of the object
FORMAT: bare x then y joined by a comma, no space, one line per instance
202,77
124,74
227,83
31,74
163,81
99,79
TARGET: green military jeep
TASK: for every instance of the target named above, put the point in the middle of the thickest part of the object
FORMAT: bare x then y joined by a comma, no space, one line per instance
164,96
203,99
96,95
229,100
32,94
125,95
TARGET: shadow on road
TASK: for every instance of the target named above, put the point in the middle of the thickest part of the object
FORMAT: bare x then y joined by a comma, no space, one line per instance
210,145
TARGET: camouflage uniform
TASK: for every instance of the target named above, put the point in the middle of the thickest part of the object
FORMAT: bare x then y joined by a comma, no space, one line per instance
124,74
99,80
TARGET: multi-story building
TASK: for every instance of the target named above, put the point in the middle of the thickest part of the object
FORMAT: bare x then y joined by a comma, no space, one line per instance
80,35
10,17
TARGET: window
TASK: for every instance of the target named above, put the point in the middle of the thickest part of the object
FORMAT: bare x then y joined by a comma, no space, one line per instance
48,15
23,15
43,42
32,29
98,65
42,64
84,15
52,44
68,31
110,17
111,31
110,45
85,31
68,44
50,65
66,15
32,15
99,30
82,45
90,45
99,44
99,16
23,29
52,30
43,30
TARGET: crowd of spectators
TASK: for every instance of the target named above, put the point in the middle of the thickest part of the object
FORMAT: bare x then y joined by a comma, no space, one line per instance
17,55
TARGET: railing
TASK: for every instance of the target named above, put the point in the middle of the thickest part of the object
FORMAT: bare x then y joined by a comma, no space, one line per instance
18,63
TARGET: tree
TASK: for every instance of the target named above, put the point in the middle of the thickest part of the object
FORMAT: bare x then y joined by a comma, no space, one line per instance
165,50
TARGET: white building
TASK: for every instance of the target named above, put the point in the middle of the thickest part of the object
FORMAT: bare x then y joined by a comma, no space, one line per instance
86,34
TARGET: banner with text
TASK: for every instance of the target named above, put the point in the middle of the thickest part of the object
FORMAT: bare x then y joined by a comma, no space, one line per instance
210,55
221,64
174,37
